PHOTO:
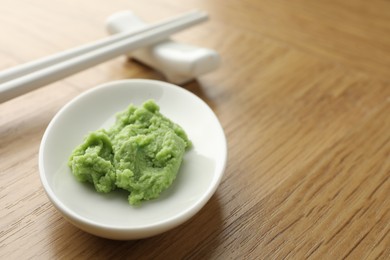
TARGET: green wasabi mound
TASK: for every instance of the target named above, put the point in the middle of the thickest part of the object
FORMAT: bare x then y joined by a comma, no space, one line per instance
141,153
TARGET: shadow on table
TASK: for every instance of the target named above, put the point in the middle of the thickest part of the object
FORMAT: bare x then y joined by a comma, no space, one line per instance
197,238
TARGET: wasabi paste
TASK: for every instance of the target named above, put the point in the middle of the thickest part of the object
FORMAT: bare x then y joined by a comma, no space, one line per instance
141,153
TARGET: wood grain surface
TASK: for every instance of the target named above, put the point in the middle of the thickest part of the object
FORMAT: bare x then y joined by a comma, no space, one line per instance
303,94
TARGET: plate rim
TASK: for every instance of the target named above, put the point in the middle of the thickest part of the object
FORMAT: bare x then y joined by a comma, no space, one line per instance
181,216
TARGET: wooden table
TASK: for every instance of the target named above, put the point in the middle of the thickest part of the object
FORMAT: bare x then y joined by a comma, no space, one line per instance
303,94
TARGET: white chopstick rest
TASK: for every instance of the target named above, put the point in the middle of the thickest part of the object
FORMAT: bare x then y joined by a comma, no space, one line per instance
180,63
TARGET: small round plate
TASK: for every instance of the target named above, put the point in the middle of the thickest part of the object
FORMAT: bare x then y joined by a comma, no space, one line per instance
110,215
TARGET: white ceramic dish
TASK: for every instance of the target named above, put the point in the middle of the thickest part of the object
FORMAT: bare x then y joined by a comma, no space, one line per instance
110,215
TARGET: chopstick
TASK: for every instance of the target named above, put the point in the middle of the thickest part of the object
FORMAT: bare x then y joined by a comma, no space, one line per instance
32,75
